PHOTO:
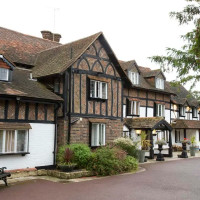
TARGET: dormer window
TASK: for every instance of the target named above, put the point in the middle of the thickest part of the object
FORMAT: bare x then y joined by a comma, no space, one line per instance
4,74
134,77
160,83
182,111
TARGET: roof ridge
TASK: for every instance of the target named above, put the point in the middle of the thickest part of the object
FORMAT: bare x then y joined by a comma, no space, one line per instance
49,41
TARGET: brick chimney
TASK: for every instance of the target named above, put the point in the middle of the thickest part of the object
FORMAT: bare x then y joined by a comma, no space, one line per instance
51,36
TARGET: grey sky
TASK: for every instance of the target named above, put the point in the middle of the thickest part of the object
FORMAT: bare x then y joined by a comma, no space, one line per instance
135,29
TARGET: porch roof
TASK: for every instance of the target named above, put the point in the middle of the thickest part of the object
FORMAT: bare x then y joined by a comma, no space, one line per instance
186,124
148,123
14,126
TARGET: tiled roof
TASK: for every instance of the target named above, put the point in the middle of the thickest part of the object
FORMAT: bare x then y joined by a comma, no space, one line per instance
14,126
22,86
58,59
144,83
183,96
145,122
152,73
21,48
186,124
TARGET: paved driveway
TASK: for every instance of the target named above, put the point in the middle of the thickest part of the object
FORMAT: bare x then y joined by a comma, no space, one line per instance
175,180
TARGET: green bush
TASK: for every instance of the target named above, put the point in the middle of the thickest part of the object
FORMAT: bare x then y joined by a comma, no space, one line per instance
82,154
110,161
127,145
61,154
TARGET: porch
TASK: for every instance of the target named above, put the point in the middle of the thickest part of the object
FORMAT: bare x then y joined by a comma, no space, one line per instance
156,128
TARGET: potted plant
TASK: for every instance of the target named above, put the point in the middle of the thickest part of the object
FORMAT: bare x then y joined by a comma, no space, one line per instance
65,163
184,146
192,147
160,144
145,144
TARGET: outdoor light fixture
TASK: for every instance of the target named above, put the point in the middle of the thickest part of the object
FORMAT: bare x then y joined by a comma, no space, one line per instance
175,107
188,108
138,131
154,132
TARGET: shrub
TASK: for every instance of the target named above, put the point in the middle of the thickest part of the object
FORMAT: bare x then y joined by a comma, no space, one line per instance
110,161
127,145
61,157
82,154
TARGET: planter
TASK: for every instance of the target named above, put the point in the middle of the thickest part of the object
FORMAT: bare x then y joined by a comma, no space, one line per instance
192,151
67,168
160,156
141,156
184,152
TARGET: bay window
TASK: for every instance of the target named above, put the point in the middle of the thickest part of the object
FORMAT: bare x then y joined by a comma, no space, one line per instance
133,108
4,74
134,77
160,83
13,141
98,89
98,134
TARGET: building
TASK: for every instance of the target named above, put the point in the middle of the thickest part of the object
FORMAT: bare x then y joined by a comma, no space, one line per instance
53,94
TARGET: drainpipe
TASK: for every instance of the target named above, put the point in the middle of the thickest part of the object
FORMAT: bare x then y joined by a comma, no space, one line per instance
56,133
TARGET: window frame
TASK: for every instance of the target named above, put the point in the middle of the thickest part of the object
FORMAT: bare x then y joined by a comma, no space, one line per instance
177,135
160,110
13,142
194,112
97,91
182,111
7,75
160,83
133,107
134,77
98,143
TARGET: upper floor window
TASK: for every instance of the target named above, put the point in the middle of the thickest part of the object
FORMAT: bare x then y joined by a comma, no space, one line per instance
98,89
133,108
182,111
56,86
98,134
134,77
194,112
160,110
160,83
4,74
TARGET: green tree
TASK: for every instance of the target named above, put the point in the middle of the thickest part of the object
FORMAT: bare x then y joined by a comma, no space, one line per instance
185,61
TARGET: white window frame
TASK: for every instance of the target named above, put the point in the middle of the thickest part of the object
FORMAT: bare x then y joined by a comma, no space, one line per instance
134,107
134,77
182,111
160,83
160,110
12,144
194,112
4,74
98,134
98,89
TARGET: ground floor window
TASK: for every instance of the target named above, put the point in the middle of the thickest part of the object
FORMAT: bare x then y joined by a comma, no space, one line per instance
98,134
13,141
177,136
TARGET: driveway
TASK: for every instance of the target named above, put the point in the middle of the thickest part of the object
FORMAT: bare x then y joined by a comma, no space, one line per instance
175,180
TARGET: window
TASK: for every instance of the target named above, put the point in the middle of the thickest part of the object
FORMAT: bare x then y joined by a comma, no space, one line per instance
160,83
56,86
194,112
182,111
177,136
4,74
133,108
134,77
98,89
13,141
98,134
160,110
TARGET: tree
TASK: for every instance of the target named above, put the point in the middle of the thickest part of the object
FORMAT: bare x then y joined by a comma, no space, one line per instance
186,61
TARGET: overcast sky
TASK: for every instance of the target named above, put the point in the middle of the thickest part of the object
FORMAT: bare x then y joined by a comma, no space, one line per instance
135,29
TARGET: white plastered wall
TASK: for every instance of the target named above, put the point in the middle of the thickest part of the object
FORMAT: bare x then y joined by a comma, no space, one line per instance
41,147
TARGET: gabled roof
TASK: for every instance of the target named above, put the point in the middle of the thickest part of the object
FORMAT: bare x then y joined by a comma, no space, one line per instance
143,84
147,123
183,96
22,86
127,65
153,73
5,60
186,124
57,60
21,48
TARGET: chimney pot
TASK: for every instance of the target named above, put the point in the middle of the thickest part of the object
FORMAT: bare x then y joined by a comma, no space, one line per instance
56,37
